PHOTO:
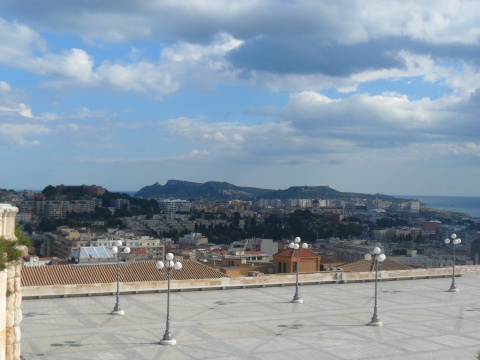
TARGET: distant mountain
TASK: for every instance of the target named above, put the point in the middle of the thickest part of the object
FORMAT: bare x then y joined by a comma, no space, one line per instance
211,190
321,192
214,190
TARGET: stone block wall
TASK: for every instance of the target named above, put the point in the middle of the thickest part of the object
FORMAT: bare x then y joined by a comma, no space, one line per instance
7,221
10,292
10,312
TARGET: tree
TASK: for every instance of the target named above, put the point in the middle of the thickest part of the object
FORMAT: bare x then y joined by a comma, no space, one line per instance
49,191
24,240
46,225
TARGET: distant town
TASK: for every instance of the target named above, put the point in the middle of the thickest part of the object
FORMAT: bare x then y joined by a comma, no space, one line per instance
70,223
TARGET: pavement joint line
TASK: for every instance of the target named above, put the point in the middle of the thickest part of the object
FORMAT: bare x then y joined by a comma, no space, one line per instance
431,322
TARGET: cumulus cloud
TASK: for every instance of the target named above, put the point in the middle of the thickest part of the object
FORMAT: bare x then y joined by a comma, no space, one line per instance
335,83
5,87
391,117
18,134
20,109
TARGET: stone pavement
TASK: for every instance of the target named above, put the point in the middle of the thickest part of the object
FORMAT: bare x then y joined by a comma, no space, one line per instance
421,321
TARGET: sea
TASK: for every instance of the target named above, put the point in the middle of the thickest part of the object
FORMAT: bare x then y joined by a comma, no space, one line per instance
469,205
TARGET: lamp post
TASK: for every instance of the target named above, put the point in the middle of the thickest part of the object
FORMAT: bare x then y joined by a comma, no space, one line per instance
455,241
295,245
117,310
170,264
377,257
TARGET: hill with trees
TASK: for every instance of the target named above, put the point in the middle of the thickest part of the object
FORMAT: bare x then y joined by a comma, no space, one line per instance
214,190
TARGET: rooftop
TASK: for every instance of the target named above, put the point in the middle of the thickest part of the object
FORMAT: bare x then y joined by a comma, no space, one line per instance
107,273
369,265
421,321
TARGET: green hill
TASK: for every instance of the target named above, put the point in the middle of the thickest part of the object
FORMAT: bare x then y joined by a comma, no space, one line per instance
214,190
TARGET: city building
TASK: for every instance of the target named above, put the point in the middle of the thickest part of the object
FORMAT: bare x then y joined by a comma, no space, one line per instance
353,250
193,239
119,204
286,261
265,246
170,206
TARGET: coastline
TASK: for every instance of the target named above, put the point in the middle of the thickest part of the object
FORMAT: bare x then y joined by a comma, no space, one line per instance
468,205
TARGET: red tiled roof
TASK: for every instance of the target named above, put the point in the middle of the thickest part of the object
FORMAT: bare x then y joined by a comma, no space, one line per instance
96,274
368,265
221,252
330,260
291,253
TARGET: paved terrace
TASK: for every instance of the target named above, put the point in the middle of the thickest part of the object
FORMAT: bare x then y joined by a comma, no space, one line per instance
421,321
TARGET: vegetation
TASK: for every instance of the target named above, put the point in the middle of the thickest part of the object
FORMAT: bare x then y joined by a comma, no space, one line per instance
301,223
11,249
213,190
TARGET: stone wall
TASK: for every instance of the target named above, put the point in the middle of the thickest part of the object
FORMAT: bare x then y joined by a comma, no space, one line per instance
7,221
10,312
10,292
239,282
13,312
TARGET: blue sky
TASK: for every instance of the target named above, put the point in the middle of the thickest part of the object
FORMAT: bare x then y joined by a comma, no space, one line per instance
362,96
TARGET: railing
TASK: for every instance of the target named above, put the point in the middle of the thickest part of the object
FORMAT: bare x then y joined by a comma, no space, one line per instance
225,283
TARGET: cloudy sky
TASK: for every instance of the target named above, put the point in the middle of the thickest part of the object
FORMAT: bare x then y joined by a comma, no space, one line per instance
364,96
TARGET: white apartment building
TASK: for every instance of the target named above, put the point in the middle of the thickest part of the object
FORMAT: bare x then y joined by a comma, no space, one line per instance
28,194
274,203
173,206
118,204
350,251
193,239
59,209
266,246
301,203
142,247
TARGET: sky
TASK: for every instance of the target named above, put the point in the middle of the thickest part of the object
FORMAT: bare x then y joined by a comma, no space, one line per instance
363,96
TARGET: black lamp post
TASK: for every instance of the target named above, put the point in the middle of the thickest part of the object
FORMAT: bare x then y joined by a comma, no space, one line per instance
117,310
377,257
170,264
295,245
455,241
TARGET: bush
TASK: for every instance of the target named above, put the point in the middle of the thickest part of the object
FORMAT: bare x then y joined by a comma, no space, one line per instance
10,252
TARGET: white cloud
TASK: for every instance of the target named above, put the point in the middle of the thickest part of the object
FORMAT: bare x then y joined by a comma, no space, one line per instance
142,77
379,82
16,134
5,87
18,42
20,109
438,21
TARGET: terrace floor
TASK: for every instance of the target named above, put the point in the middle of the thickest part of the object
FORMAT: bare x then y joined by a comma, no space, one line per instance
421,320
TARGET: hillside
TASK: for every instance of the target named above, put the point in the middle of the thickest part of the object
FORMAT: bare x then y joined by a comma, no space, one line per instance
211,190
214,190
321,192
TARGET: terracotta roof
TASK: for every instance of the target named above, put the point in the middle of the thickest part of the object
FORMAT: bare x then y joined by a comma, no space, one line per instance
302,253
221,252
368,265
96,274
330,260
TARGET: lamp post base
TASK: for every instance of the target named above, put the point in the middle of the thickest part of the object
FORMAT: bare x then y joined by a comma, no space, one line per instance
453,289
118,312
297,301
168,342
375,321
